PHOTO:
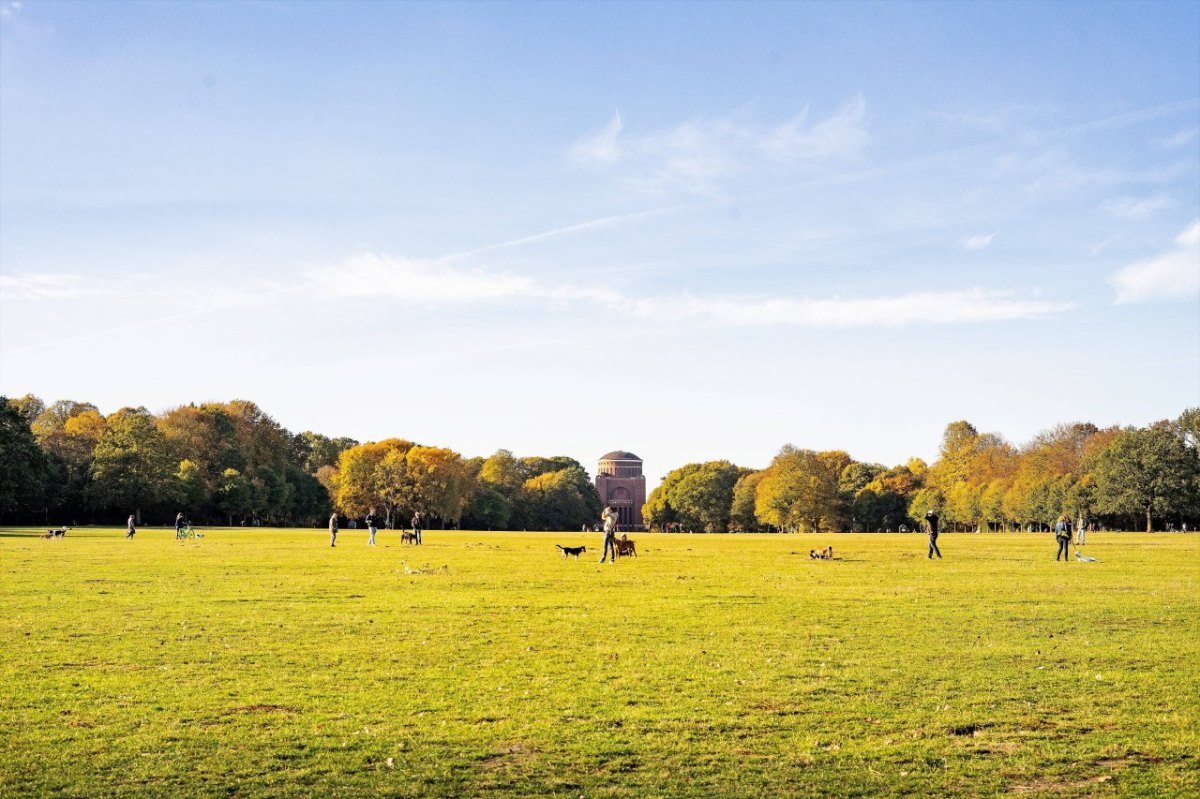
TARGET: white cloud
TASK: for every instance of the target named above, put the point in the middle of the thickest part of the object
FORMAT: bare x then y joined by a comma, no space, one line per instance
1172,276
1138,207
694,156
438,283
978,242
48,286
9,8
935,307
416,281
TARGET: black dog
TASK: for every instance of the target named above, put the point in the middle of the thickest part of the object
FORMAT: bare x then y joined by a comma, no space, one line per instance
576,551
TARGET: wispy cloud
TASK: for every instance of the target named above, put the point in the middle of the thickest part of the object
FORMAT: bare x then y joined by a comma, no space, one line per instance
696,155
601,147
979,242
566,230
934,307
1172,276
1183,138
1138,207
429,283
49,286
9,8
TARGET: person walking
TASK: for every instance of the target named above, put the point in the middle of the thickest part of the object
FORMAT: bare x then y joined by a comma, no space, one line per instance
131,530
931,519
333,528
371,526
609,519
416,525
1062,531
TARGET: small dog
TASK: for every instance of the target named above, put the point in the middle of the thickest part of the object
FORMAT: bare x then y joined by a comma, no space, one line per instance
59,533
408,537
1082,558
821,554
576,551
625,547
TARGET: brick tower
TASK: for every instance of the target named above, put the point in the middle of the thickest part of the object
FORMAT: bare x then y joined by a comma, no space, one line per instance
620,483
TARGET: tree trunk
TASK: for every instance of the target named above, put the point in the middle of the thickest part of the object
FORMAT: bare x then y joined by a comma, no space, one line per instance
1149,527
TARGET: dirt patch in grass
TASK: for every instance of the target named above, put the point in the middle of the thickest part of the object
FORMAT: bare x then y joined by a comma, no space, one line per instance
231,711
1055,786
509,756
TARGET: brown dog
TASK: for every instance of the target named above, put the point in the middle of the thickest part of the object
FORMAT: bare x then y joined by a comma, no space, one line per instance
408,537
825,553
625,547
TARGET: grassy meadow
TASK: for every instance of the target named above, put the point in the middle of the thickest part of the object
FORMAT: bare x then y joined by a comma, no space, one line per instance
264,663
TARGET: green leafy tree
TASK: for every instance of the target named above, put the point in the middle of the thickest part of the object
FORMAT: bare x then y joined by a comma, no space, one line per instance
132,466
558,500
741,510
23,468
235,494
1148,471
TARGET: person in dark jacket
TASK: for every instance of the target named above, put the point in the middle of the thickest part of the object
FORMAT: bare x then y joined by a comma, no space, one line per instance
1062,531
179,522
931,519
372,522
416,526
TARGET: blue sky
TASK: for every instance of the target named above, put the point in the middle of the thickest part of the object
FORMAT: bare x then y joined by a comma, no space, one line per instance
693,231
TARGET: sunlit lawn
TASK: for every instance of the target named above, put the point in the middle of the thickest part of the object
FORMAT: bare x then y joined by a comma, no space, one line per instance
265,663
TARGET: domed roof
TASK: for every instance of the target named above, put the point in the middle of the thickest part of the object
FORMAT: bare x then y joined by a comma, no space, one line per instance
620,455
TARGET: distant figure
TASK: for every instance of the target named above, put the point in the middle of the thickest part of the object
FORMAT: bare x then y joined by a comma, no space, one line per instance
179,523
1062,531
131,530
1080,532
416,525
1082,558
333,528
609,519
371,522
931,519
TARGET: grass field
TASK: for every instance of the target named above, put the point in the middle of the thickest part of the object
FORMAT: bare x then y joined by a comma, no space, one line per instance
264,663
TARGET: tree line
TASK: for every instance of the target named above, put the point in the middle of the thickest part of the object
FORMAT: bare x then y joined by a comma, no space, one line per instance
1120,478
231,463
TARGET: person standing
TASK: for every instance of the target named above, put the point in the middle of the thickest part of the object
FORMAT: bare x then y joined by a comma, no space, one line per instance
1080,531
179,525
931,519
371,525
1062,531
131,530
609,518
333,528
416,525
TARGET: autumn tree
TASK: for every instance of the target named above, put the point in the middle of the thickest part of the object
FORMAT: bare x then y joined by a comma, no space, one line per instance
800,490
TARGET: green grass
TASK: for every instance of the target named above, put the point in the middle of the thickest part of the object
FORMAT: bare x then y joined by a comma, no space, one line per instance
264,663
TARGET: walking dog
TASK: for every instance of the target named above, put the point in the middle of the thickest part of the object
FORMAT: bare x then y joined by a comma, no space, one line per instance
625,547
408,537
825,553
576,551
